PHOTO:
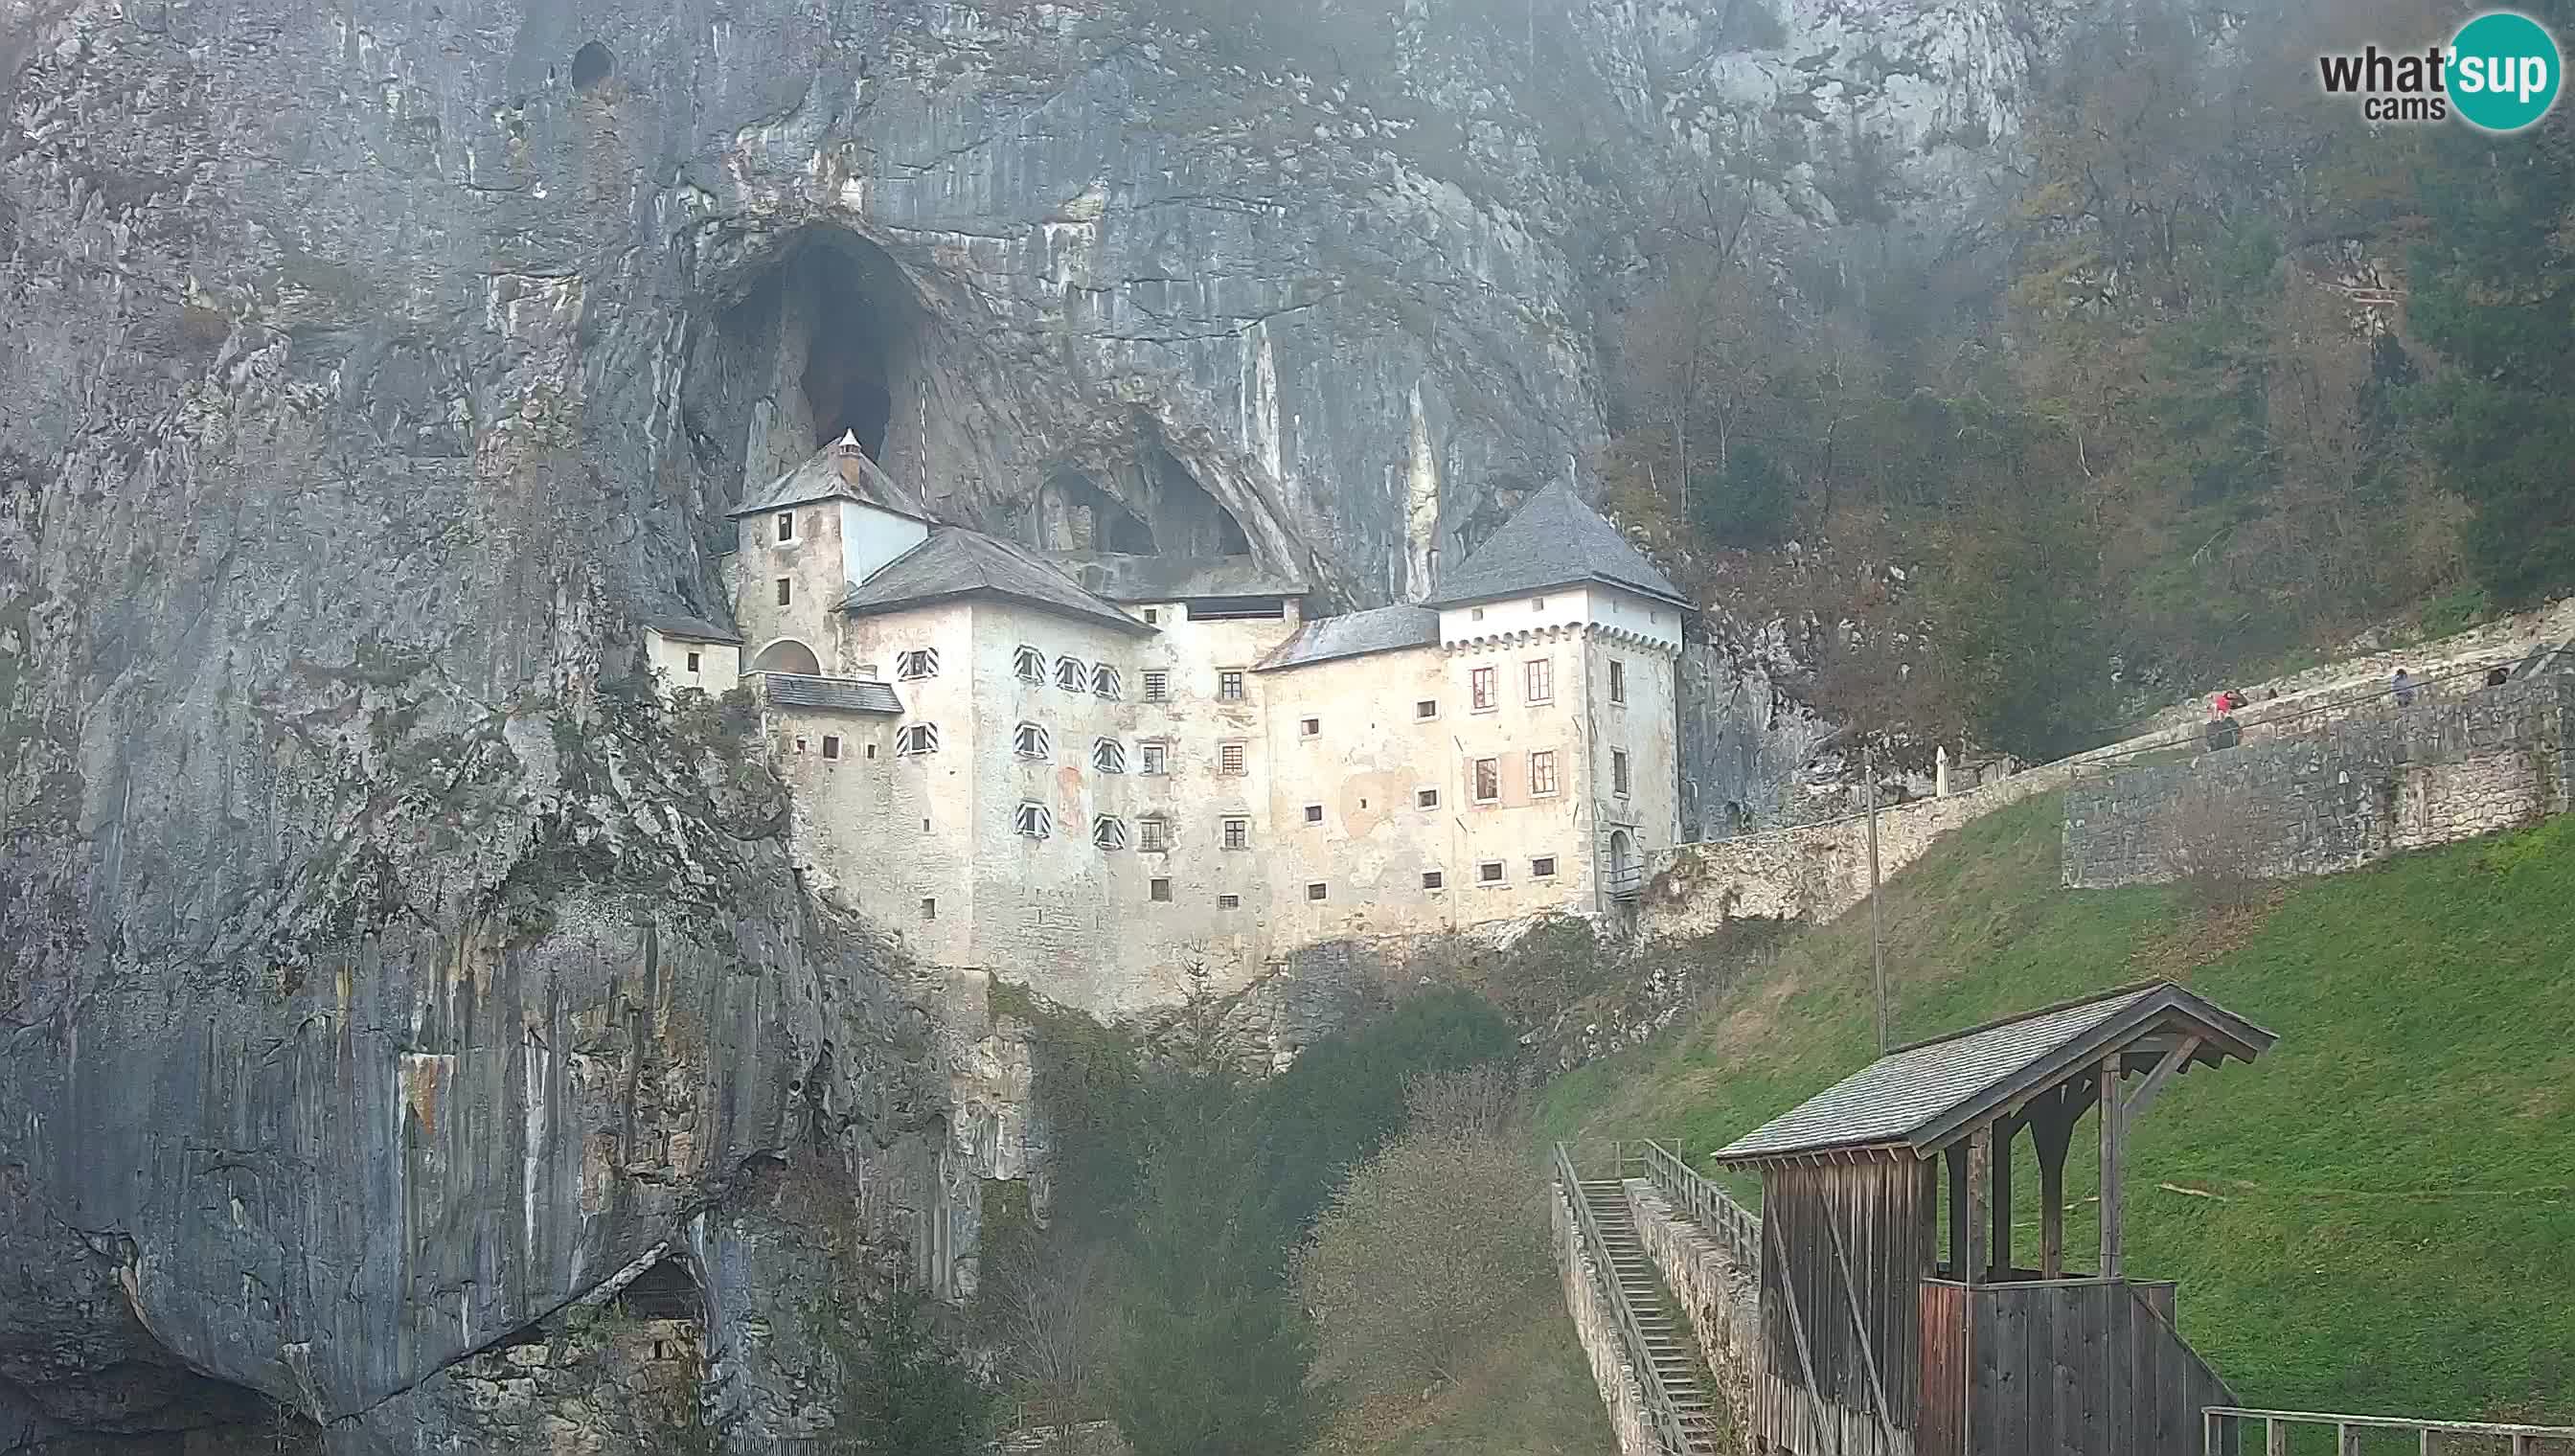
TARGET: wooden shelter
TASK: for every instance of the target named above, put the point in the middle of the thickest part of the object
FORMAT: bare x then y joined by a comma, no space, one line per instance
1880,1337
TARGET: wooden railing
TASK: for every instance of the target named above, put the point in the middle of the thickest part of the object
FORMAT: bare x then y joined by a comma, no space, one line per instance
1659,1407
2225,1421
1708,1205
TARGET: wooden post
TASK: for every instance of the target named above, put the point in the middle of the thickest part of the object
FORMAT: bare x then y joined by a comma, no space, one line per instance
2113,1137
2275,1437
2004,1131
2051,1133
1958,1212
1980,1157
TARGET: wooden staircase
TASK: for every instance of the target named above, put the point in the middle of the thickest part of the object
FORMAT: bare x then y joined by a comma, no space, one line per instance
1670,1346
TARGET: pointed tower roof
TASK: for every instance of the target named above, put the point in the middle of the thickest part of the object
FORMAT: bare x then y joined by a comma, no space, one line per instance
1553,540
840,471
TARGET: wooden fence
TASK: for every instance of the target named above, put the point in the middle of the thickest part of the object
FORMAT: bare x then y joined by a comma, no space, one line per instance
1710,1206
2281,1430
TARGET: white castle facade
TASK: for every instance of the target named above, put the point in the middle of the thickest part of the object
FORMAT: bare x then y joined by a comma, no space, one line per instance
1096,775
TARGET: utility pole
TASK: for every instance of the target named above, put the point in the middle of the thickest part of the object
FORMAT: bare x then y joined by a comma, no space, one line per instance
1876,918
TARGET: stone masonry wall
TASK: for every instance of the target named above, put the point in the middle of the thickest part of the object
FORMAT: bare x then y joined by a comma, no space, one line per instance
1598,1330
1722,1297
2365,783
1813,872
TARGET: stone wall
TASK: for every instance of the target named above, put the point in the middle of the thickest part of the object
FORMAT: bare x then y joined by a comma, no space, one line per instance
1813,872
1722,1297
1598,1330
2366,780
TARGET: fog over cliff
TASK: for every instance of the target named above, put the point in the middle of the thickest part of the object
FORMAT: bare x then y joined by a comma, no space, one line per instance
377,976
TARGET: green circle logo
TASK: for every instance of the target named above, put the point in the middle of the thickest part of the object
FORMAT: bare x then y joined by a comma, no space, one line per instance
2504,72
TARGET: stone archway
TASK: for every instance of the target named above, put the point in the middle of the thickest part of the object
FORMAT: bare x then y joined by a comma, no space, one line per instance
786,655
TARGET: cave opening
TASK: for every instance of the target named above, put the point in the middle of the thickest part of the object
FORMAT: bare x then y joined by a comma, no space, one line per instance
667,1290
854,306
1150,504
826,333
590,65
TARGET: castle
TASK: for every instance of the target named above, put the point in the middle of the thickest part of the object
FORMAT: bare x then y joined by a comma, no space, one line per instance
1100,774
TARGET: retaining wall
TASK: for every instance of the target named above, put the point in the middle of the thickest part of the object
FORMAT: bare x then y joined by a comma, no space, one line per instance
1722,1297
2365,780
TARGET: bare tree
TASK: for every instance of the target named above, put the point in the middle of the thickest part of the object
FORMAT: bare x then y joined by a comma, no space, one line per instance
2213,855
1052,1330
1478,1101
1426,1248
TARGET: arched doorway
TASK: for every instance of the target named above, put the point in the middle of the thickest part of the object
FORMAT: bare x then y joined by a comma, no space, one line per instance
786,655
1622,877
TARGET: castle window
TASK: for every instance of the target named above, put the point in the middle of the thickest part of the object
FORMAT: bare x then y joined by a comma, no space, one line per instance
1310,727
1543,771
1539,604
915,739
1490,873
1477,614
1543,867
1029,741
1072,675
831,746
1480,683
1489,779
1104,682
928,908
1539,677
1109,757
917,664
1618,680
1160,889
1153,617
1030,664
786,592
1229,902
1228,686
1158,685
1618,771
1032,821
1314,891
786,526
1426,708
1432,879
1109,831
1152,833
1237,833
1157,757
800,742
1313,813
693,661
1229,757
1425,799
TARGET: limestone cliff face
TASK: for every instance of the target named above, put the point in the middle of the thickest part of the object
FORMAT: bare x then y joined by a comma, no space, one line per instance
377,975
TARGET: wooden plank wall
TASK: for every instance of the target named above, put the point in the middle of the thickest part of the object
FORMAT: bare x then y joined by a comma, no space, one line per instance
1881,1215
2077,1370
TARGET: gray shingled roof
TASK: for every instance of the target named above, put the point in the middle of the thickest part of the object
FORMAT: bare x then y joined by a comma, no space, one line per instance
1355,633
956,562
1553,540
838,695
692,629
840,471
1122,577
1921,1095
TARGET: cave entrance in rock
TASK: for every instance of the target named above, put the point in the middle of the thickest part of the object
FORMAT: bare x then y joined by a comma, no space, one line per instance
1148,505
852,303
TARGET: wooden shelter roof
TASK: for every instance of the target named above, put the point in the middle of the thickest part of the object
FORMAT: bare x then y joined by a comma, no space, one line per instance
1922,1097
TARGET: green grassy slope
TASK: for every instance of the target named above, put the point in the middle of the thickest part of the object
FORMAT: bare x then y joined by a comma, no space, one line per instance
2378,1216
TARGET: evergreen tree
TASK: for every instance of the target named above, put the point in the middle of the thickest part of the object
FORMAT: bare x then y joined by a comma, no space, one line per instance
906,1393
1212,1352
2494,293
